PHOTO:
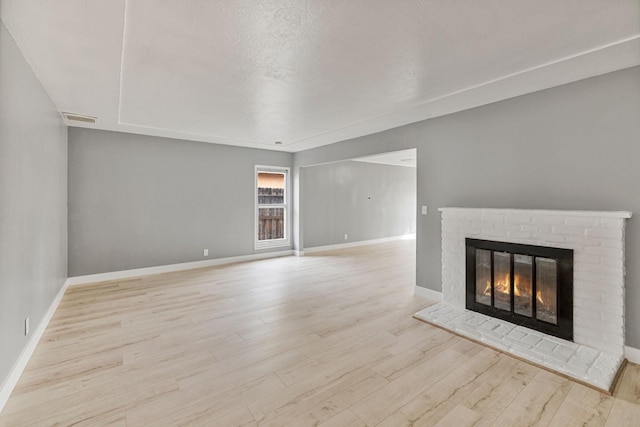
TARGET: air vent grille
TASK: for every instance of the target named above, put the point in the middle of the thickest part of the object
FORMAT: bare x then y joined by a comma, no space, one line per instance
79,118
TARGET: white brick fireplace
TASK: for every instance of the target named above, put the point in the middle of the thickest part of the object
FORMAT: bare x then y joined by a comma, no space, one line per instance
597,239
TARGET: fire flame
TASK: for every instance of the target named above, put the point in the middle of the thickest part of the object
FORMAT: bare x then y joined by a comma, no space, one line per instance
540,300
502,286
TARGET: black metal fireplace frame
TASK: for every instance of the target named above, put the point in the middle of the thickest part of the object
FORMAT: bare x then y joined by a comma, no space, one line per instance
564,259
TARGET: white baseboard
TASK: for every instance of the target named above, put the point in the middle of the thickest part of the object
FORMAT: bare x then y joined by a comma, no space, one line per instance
355,244
137,272
15,373
632,354
427,293
298,253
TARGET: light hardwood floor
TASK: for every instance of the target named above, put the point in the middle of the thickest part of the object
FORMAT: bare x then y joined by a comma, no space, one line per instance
323,340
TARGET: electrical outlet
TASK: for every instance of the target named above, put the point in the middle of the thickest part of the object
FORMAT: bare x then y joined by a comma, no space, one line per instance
205,252
26,326
346,236
424,210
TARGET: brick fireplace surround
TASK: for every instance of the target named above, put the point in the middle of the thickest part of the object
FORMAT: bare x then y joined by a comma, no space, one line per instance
597,239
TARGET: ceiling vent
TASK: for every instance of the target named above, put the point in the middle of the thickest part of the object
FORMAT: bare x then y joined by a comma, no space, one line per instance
71,117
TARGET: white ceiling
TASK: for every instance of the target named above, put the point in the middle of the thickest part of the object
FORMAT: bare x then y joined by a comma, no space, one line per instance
308,72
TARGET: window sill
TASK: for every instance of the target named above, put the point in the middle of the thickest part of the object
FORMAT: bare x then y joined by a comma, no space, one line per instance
280,243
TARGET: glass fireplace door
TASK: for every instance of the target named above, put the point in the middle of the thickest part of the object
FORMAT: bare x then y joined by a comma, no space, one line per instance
547,290
523,284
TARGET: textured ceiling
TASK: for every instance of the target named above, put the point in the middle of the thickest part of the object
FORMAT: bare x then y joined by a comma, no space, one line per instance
308,72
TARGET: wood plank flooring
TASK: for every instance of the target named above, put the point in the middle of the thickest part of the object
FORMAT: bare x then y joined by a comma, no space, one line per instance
324,340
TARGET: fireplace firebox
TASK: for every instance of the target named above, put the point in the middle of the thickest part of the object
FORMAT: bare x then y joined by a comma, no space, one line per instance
527,285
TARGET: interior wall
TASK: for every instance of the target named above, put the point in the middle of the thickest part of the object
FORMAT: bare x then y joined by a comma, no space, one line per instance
363,200
33,202
575,146
139,201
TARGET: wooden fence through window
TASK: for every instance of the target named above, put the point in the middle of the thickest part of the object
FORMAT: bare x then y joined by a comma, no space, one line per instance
270,220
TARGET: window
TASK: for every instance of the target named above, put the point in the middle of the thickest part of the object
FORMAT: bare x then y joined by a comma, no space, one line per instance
271,198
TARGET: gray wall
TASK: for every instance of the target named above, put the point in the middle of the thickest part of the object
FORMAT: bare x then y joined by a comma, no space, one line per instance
33,201
364,200
576,146
137,201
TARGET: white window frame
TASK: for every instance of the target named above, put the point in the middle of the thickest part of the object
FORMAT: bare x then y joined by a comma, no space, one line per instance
274,243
